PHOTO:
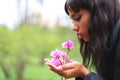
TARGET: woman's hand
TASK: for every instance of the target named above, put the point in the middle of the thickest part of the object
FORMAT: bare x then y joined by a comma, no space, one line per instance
70,70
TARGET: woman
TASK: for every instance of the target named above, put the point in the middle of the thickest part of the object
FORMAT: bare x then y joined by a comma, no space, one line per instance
97,25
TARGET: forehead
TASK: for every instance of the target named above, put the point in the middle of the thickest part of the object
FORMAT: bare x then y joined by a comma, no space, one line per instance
81,11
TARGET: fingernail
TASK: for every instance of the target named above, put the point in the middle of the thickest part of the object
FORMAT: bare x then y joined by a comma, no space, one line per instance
46,64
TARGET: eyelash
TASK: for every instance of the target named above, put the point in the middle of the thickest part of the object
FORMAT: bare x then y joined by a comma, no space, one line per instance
78,18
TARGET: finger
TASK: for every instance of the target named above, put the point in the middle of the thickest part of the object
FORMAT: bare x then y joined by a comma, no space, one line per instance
68,66
52,67
69,72
46,60
55,69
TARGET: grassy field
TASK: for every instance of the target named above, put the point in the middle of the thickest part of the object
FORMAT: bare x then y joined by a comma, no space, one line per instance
41,73
33,70
35,73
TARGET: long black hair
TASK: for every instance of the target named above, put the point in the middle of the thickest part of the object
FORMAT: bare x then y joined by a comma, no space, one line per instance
104,15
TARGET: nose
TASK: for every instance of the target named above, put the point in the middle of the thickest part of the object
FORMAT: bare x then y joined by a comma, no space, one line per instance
75,27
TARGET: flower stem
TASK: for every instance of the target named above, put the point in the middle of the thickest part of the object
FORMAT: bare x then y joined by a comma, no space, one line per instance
61,78
65,79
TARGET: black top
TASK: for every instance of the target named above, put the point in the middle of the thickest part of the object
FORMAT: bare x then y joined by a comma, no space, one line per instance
112,71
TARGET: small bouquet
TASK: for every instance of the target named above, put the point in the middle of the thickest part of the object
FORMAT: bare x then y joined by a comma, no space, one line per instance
60,57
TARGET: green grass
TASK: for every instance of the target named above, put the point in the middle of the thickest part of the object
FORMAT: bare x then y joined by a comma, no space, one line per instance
34,72
40,73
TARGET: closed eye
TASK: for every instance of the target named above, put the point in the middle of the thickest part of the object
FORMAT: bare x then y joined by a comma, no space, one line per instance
78,18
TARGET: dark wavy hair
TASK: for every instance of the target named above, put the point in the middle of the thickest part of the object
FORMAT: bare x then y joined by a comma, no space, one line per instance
104,15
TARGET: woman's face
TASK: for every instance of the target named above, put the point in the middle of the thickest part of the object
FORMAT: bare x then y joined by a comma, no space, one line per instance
81,21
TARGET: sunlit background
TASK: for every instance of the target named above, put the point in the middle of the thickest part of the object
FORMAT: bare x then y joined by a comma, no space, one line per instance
29,31
14,12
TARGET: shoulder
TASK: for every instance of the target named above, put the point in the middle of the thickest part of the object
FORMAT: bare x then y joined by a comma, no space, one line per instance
116,34
116,42
116,29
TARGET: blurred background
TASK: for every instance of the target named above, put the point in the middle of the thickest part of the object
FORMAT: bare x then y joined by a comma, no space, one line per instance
29,31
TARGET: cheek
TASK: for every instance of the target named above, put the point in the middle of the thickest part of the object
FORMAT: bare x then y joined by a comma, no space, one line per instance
86,30
86,25
86,34
83,27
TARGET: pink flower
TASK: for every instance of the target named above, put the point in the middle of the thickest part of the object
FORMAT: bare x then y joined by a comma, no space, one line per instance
64,54
61,57
55,54
56,62
58,57
68,44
